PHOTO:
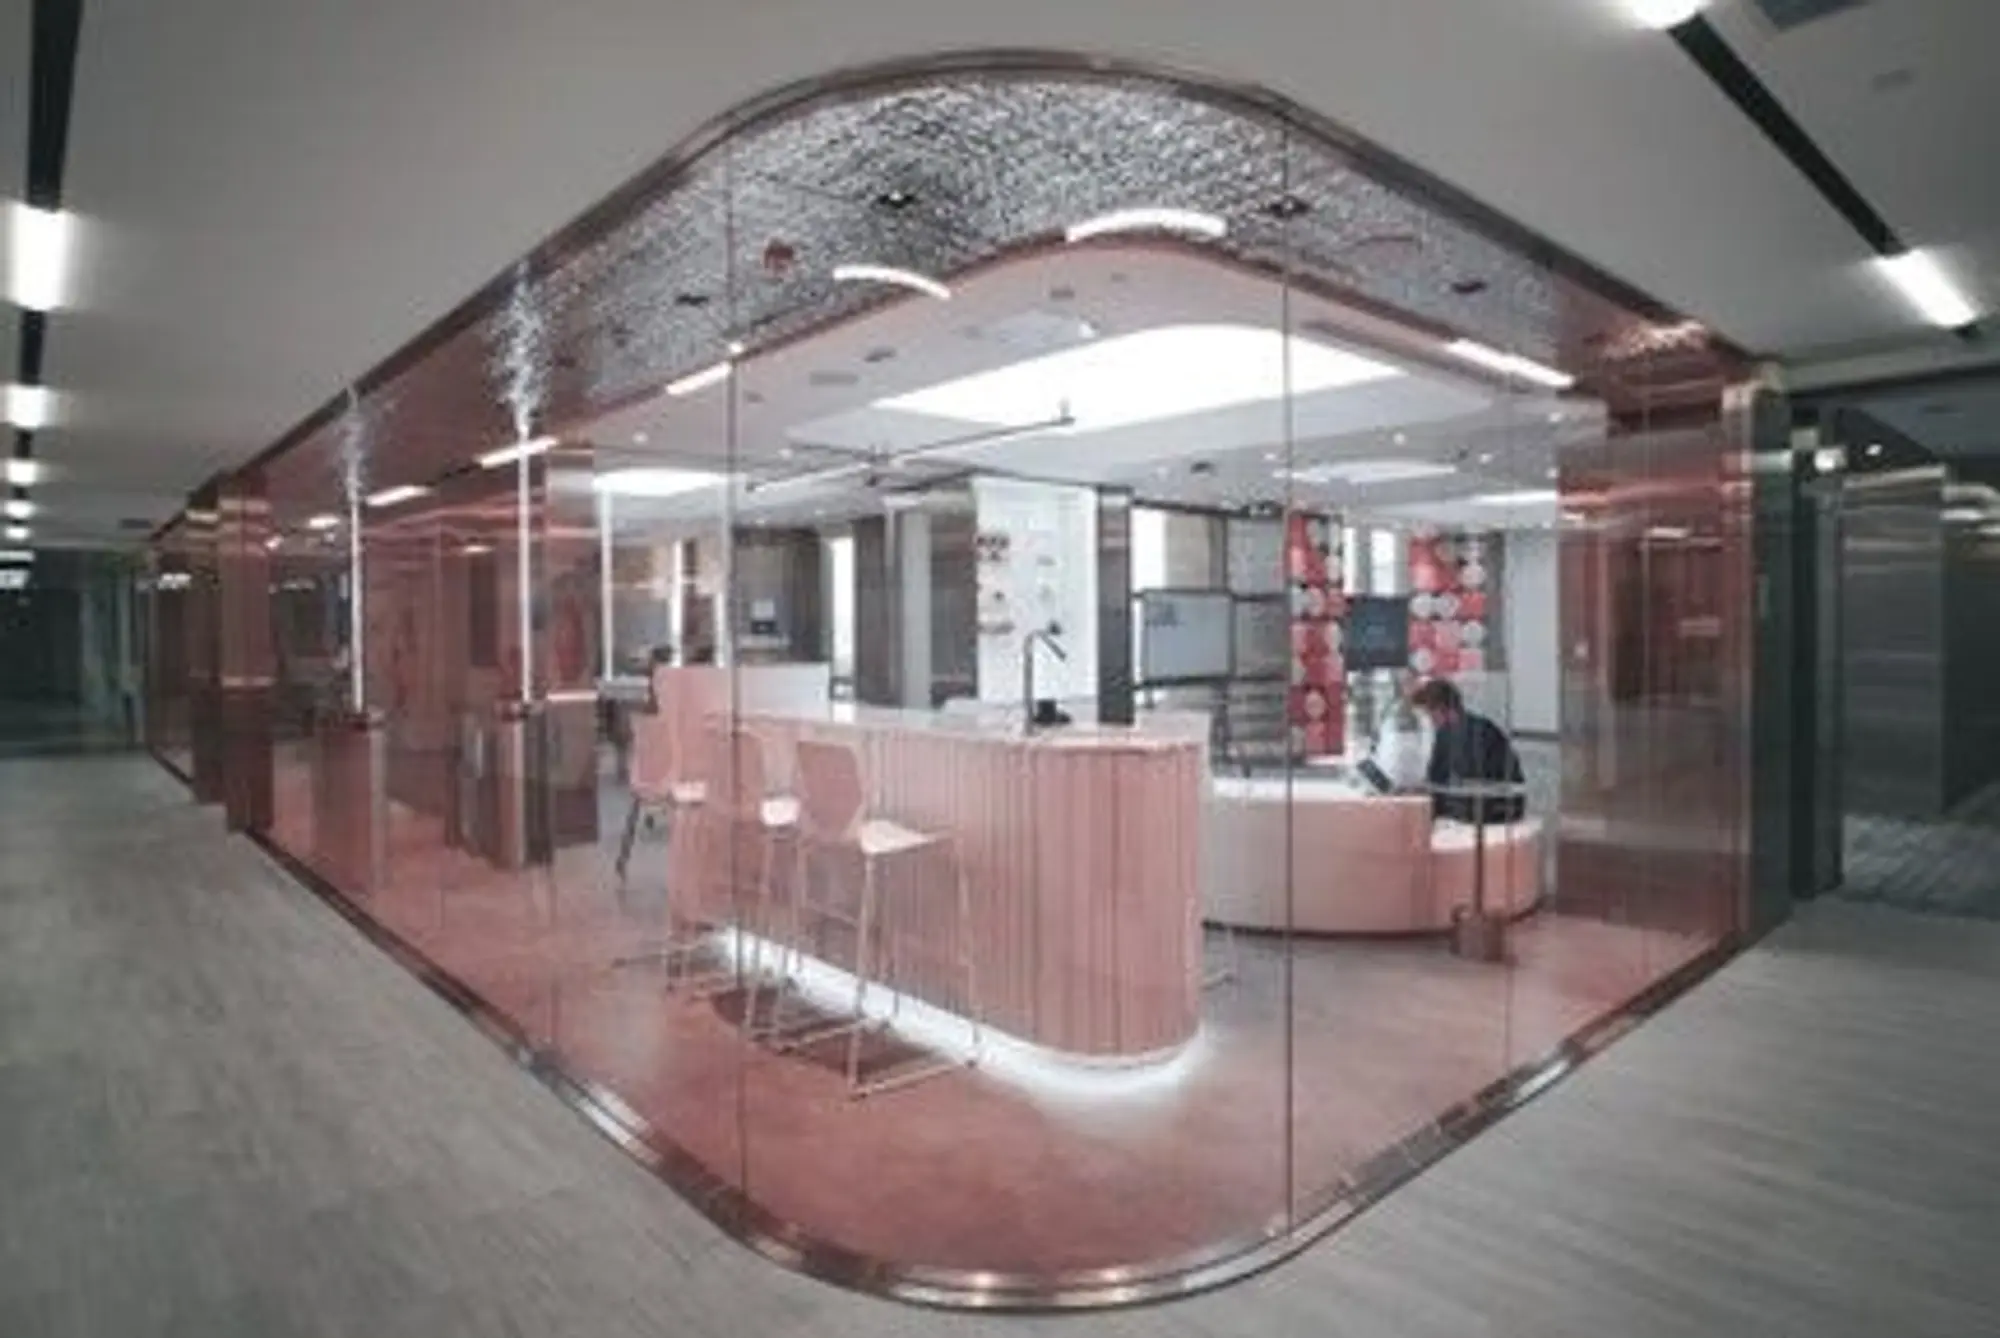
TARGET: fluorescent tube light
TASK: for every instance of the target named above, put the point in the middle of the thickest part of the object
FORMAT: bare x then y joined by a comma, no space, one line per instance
1509,364
695,382
29,407
401,493
20,508
16,555
1525,497
1664,14
889,274
1189,222
1671,534
507,455
17,534
327,521
1166,372
23,473
1921,280
38,257
656,481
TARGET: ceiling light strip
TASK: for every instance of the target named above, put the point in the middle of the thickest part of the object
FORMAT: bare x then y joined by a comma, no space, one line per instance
401,493
696,382
1509,364
891,275
525,450
1185,222
1921,280
990,437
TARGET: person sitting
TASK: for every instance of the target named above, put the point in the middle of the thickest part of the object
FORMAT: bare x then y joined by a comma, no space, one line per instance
1467,751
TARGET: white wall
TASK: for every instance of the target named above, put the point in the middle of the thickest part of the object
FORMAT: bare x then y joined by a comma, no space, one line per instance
1529,628
1049,574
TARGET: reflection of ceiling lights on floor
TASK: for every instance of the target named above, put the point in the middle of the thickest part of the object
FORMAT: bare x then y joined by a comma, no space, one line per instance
1140,378
1361,473
656,481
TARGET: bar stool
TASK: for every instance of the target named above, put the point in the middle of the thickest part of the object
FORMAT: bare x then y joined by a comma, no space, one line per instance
657,787
723,852
836,834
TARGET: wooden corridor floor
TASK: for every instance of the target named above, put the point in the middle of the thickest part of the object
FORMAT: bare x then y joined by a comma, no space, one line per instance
222,1113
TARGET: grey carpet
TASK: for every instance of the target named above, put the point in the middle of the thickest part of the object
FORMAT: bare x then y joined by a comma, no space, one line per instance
222,1113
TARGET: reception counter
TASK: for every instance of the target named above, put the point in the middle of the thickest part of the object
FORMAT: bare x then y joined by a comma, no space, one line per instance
1080,849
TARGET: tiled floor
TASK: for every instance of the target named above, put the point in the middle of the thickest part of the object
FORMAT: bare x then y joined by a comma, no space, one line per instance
1948,865
975,1171
225,1114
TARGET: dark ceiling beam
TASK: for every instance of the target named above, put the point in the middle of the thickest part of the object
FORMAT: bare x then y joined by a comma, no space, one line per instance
1712,54
58,25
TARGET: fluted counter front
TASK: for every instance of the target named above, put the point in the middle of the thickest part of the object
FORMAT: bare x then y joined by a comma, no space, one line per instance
1081,851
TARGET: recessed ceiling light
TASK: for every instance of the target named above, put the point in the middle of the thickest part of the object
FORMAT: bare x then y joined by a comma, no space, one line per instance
1166,372
1664,14
28,407
1486,457
23,473
1557,416
1550,472
891,275
275,542
39,257
19,508
640,439
18,534
1874,451
1401,438
1829,459
695,382
896,199
737,348
1929,289
401,493
1509,364
508,455
656,481
1186,222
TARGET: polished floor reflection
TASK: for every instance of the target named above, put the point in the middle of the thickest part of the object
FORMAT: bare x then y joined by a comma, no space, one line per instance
991,1170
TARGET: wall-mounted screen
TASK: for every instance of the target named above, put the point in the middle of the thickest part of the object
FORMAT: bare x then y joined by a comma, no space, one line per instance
1184,635
1377,635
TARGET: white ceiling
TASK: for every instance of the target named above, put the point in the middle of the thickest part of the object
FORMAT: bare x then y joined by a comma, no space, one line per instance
279,194
1430,411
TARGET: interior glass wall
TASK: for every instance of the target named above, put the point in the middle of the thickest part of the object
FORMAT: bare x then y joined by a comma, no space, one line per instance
888,659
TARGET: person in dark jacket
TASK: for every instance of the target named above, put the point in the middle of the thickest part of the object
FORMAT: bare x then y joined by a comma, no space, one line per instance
1467,749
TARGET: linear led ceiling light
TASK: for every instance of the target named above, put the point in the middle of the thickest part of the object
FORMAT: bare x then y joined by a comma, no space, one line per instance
38,257
28,407
889,274
1508,364
1361,473
19,508
1525,497
401,493
327,521
16,555
1919,277
17,534
524,450
1166,372
23,473
696,382
1187,222
656,481
1665,14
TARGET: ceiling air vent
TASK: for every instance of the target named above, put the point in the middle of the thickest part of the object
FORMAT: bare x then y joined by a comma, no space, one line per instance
1786,15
